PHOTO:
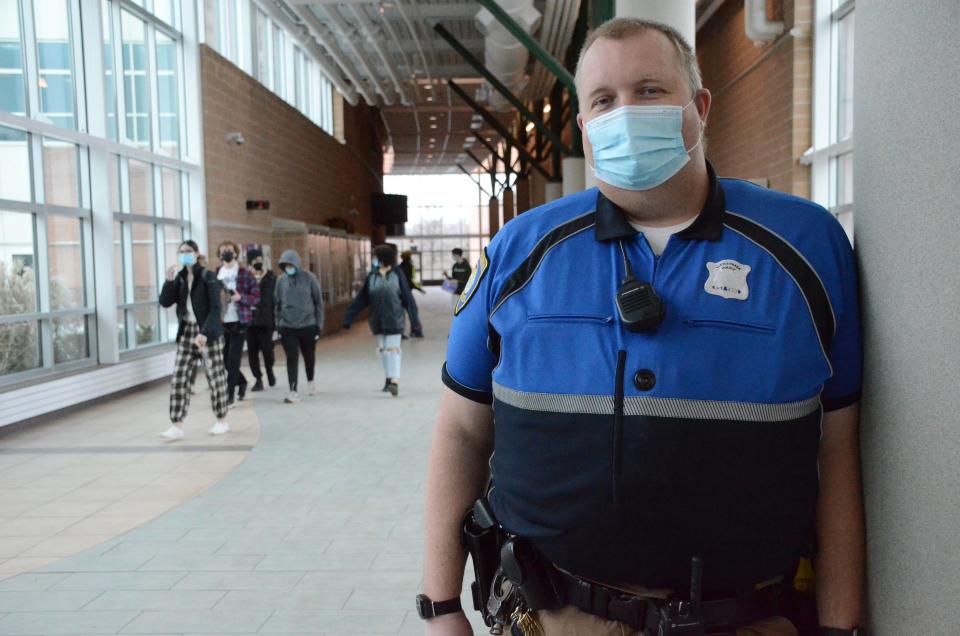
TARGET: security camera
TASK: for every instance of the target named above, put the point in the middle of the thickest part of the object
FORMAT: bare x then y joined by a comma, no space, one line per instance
236,138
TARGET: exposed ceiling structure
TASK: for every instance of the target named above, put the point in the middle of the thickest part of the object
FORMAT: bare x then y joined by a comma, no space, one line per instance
389,55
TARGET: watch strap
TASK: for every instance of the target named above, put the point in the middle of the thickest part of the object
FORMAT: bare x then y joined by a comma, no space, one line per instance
428,609
837,631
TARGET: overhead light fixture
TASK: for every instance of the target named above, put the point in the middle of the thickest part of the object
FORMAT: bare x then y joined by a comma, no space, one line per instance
429,87
433,126
475,125
546,109
429,98
530,126
433,140
471,139
433,118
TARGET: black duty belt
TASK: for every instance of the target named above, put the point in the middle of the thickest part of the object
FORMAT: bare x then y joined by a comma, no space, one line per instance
644,613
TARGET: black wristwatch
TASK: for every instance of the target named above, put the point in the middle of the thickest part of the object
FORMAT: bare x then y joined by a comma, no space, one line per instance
428,609
836,631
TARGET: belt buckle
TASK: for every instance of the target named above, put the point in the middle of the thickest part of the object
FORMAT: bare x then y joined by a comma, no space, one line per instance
628,609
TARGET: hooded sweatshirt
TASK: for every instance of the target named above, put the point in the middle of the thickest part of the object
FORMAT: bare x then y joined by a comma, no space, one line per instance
299,300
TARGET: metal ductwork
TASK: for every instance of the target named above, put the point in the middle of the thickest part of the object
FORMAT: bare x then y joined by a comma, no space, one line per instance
504,55
758,27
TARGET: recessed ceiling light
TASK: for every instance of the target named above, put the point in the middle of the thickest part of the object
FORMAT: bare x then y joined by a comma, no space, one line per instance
433,140
489,138
433,126
429,99
470,139
429,87
433,118
546,109
475,125
530,126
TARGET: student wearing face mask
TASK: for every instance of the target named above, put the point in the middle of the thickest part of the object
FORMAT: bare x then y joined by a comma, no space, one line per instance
196,293
241,295
299,318
387,293
260,331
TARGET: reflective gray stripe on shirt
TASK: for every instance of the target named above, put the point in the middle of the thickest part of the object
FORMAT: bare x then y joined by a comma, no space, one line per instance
657,407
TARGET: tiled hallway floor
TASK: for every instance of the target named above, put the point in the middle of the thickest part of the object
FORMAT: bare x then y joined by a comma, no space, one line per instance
316,530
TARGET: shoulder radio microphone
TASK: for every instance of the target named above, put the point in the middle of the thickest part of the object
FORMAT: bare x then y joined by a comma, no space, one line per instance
641,308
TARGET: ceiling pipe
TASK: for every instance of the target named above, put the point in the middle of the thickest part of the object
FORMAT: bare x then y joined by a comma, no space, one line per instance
388,25
758,27
329,42
351,35
708,13
416,39
376,39
504,55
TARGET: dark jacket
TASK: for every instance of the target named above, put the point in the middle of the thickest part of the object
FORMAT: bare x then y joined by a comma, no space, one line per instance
298,298
387,297
205,296
263,312
461,273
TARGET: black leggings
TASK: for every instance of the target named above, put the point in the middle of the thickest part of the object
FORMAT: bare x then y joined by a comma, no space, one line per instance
260,340
299,341
233,336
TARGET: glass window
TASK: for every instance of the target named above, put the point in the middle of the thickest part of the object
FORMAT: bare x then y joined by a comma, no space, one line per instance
141,187
167,95
166,11
70,339
122,330
118,268
278,52
12,87
261,47
65,256
298,95
19,347
18,281
144,262
172,237
135,86
61,178
172,197
15,178
109,76
146,323
845,77
55,61
842,191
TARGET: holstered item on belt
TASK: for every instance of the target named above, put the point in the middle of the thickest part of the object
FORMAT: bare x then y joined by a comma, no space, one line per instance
532,574
482,537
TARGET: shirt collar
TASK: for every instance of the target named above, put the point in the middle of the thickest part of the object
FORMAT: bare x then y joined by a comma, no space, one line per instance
612,222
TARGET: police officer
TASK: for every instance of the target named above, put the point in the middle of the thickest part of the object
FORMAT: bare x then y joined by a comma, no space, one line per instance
671,364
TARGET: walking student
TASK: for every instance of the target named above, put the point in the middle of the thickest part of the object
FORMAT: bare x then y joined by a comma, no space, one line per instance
460,274
386,292
241,295
299,317
196,293
260,331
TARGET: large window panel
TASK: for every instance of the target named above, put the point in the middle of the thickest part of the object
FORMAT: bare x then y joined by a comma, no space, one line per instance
172,193
278,55
166,10
12,85
113,182
118,268
136,88
261,47
19,347
168,95
18,262
172,237
844,61
65,256
61,173
15,176
147,325
141,187
70,342
55,61
144,261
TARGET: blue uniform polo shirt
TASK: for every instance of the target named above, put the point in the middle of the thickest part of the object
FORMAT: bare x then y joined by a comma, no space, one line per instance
622,455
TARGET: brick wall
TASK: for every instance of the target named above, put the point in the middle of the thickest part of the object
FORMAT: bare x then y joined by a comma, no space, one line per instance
306,174
760,120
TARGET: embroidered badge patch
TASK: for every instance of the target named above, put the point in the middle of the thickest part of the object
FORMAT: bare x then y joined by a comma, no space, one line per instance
473,282
728,279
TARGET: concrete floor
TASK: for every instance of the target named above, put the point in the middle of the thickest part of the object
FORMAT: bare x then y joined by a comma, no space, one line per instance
316,530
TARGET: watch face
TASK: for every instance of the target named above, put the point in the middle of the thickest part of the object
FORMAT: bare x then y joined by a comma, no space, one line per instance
423,606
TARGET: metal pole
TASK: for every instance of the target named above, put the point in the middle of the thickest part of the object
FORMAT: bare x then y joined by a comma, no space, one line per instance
494,123
470,174
491,170
497,84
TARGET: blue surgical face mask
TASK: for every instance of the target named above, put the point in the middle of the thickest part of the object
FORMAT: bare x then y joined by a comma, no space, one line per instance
376,262
188,258
638,147
290,270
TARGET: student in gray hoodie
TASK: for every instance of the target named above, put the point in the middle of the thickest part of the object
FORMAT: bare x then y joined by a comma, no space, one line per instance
299,312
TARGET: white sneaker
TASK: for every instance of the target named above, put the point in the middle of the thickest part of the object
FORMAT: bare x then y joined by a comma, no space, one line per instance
292,398
220,428
172,434
311,388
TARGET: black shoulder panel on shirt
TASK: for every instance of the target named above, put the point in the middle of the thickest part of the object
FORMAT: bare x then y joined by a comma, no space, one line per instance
797,266
471,394
522,275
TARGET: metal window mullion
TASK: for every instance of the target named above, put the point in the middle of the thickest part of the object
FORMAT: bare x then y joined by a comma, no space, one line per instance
834,90
153,88
79,81
160,236
119,72
30,61
845,9
192,194
183,143
126,246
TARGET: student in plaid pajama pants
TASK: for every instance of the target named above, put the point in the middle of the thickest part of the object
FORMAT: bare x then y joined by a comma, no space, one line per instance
196,293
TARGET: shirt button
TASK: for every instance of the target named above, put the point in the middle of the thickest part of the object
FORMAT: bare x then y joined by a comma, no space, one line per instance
644,379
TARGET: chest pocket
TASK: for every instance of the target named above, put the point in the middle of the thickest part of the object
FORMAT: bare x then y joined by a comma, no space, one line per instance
589,319
725,324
